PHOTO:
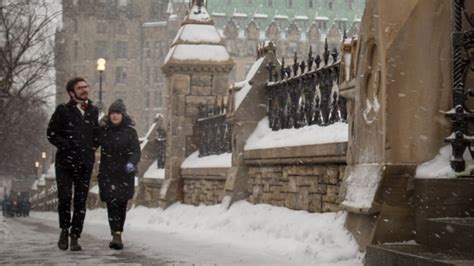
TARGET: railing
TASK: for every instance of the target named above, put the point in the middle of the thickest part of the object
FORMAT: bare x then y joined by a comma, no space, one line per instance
214,131
161,153
300,96
463,61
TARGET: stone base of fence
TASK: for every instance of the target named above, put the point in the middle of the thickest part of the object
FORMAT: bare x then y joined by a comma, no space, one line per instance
203,185
147,193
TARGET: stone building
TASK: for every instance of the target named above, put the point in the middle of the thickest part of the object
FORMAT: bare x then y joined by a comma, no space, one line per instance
120,32
134,36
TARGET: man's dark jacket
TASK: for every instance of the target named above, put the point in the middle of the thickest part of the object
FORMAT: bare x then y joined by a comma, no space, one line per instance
75,135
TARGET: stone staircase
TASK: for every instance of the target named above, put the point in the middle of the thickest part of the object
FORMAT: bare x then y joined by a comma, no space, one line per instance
444,222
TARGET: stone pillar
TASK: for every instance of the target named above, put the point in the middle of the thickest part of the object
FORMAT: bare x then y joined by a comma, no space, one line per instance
401,85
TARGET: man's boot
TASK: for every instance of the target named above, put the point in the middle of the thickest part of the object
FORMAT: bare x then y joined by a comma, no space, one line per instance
75,244
63,243
116,242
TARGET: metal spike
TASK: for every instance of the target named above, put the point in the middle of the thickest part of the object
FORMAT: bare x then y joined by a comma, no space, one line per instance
282,69
334,55
326,52
317,61
310,58
302,67
295,65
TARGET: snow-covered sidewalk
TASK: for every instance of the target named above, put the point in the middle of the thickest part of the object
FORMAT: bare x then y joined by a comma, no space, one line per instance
242,234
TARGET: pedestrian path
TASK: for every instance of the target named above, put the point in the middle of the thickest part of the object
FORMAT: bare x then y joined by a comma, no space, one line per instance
29,241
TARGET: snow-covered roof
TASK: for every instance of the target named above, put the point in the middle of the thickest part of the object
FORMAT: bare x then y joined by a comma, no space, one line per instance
260,15
212,161
301,18
217,14
154,172
155,24
198,40
321,18
239,15
280,17
264,137
188,52
195,33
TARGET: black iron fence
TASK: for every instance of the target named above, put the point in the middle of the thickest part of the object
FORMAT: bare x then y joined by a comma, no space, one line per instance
302,95
214,131
461,115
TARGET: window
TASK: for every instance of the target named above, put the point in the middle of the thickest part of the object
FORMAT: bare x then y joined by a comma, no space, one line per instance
157,74
100,50
159,99
290,3
311,3
146,50
121,50
270,3
147,75
249,2
120,75
330,4
147,99
75,26
76,49
101,26
349,4
122,27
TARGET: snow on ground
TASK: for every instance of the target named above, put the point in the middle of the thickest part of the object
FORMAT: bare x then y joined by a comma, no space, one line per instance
439,166
289,237
264,138
223,160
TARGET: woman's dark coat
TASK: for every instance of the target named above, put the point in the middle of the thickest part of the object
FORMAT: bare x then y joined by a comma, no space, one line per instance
119,145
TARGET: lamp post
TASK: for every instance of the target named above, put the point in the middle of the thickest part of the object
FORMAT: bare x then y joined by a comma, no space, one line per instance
100,67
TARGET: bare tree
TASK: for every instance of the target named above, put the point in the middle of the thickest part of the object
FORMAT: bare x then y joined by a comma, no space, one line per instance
26,60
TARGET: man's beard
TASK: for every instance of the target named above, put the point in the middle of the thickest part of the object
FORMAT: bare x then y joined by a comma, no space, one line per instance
81,99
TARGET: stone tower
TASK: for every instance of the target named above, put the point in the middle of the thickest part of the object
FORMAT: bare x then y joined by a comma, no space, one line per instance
197,72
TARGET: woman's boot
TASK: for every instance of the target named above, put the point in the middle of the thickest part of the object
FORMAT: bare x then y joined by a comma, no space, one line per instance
116,242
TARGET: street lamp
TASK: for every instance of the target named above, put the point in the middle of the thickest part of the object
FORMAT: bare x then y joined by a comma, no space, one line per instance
100,67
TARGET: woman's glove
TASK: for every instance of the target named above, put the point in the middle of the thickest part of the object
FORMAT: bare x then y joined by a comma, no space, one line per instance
130,168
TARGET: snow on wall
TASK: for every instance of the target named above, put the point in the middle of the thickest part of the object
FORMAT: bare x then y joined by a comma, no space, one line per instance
212,161
154,172
245,86
198,34
440,166
362,185
264,138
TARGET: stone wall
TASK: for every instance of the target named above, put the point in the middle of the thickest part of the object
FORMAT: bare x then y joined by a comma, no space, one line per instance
147,192
202,191
311,187
203,185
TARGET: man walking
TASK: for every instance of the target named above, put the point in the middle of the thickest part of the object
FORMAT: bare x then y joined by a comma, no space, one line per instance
73,129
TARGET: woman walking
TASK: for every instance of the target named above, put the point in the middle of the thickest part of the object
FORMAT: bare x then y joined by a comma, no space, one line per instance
120,153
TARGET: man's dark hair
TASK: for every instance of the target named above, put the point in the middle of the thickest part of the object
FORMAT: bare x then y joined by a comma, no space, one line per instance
72,82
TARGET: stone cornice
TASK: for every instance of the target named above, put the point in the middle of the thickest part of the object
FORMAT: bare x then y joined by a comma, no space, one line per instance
171,67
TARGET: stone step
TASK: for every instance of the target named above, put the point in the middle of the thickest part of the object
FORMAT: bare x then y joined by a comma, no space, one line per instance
413,254
451,233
